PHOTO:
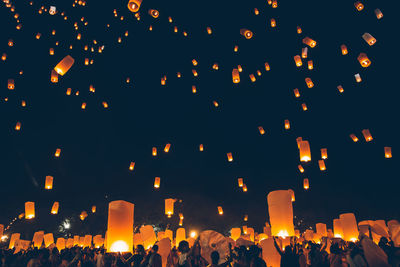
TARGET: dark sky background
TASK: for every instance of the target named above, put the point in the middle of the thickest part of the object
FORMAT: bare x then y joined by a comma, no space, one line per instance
98,144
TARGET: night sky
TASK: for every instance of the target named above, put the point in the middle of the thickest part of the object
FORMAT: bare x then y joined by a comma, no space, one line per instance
98,144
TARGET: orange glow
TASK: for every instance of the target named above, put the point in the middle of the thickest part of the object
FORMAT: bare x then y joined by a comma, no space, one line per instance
310,65
246,33
273,23
357,77
11,84
304,106
157,182
299,30
154,13
54,209
280,212
267,67
167,147
340,88
64,65
261,130
305,152
310,42
296,92
154,151
388,152
48,183
304,52
209,31
57,153
297,60
93,209
29,210
287,124
220,210
359,6
120,226
344,49
230,157
321,164
367,135
306,184
201,147
364,60
132,166
324,153
378,13
354,138
240,182
169,207
309,83
301,169
235,76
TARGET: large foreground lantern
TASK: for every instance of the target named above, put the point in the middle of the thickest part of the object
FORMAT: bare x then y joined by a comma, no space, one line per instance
29,210
14,237
148,236
305,152
180,235
280,211
236,233
134,5
337,228
349,225
169,207
38,239
48,239
64,65
120,226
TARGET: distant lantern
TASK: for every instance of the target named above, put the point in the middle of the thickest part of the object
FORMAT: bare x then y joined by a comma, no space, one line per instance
357,77
236,48
54,76
364,60
220,210
244,188
239,67
57,153
261,130
105,104
344,50
215,66
369,38
49,182
154,13
256,12
252,78
215,103
64,65
321,229
292,195
378,13
388,152
337,228
354,138
18,126
201,147
209,31
94,208
259,73
154,151
246,33
54,209
304,52
267,67
157,182
310,42
340,89
273,23
240,182
359,6
194,62
310,65
297,60
235,76
120,226
79,36
236,233
299,30
10,84
309,82
246,218
296,92
321,164
230,157
83,106
167,147
51,51
4,56
367,135
287,124
132,166
134,5
169,207
301,169
195,74
83,215
324,153
180,235
349,226
306,184
304,106
10,43
280,211
305,152
29,210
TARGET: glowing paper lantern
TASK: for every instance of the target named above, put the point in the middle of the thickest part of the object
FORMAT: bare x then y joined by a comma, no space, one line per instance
201,147
38,239
287,124
154,13
349,226
10,84
83,215
29,210
292,195
236,233
388,152
76,240
246,33
180,235
14,237
157,182
60,243
299,30
167,147
48,239
220,210
93,209
344,50
49,182
54,76
304,52
148,236
69,243
359,6
209,31
340,88
321,229
235,76
364,60
270,255
267,67
297,61
120,226
357,77
154,151
296,92
301,169
367,135
310,42
309,83
18,126
321,164
354,138
280,213
230,157
55,207
134,5
310,65
252,78
261,130
240,182
169,207
306,184
132,166
244,188
305,152
273,23
378,13
324,153
87,241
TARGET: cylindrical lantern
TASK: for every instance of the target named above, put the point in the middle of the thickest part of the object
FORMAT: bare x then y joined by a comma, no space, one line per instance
14,237
310,42
299,30
180,236
87,241
296,92
301,169
48,239
324,153
305,152
240,182
167,147
309,83
148,236
157,182
132,166
64,65
364,60
235,76
94,209
304,52
230,157
261,130
201,147
49,182
154,13
297,60
60,243
337,228
369,39
359,6
378,13
220,210
10,84
29,210
344,50
310,65
54,76
287,124
367,135
38,239
354,138
280,211
306,184
169,207
321,164
54,209
321,229
349,225
236,233
388,152
154,151
357,77
120,226
246,33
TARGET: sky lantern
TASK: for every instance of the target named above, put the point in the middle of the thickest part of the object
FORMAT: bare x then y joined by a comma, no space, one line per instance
220,210
298,140
236,48
252,78
10,84
301,169
244,188
239,67
215,66
297,61
209,31
267,67
48,239
105,104
215,103
298,29
54,208
246,33
201,147
240,182
10,43
364,60
83,215
287,124
261,130
51,51
120,226
54,76
230,157
169,207
292,195
154,151
359,6
306,184
344,50
273,23
194,62
38,239
296,92
195,74
309,82
180,235
357,77
167,147
235,76
83,106
305,152
367,135
354,138
57,153
304,52
132,166
49,182
274,3
94,208
157,182
340,89
148,236
60,243
14,237
349,226
378,13
64,65
256,12
321,164
236,233
29,210
324,153
246,218
4,56
18,126
154,13
310,42
388,152
310,65
280,211
194,89
134,5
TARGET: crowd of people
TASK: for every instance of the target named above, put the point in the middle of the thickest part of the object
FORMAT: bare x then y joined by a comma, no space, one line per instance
363,253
